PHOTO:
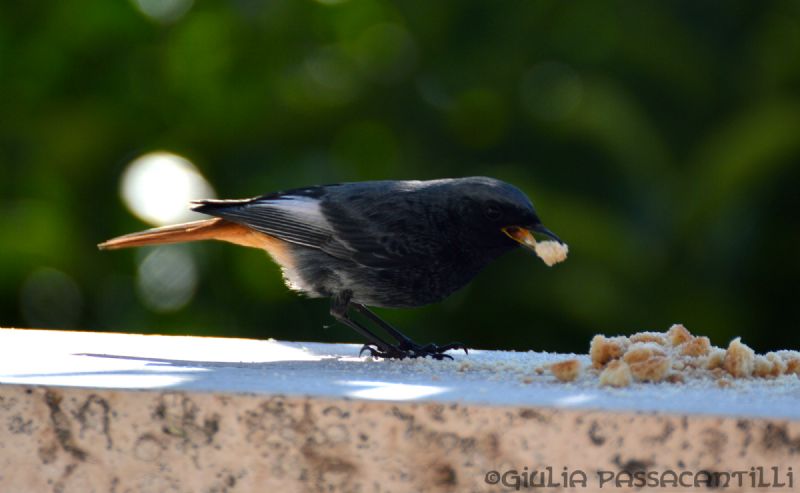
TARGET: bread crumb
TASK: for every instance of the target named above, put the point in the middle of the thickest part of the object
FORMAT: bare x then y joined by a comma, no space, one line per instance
778,364
675,356
716,358
739,359
527,380
719,373
566,371
769,365
683,361
793,366
654,369
762,367
677,335
655,337
604,349
551,252
697,346
616,374
647,362
674,378
642,351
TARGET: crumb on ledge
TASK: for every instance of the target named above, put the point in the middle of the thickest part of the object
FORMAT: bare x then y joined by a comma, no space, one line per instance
739,359
616,374
603,349
566,371
674,357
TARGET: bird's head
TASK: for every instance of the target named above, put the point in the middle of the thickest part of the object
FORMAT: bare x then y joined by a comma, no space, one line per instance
495,212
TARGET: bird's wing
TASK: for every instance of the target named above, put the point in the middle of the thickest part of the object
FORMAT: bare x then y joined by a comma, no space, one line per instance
385,234
369,236
292,217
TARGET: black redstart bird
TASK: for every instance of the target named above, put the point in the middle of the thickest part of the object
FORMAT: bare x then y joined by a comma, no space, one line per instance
377,243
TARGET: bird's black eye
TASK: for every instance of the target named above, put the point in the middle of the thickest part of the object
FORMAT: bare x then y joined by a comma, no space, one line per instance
493,212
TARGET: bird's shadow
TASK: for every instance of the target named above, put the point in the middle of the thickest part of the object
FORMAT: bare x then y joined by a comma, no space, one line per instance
306,371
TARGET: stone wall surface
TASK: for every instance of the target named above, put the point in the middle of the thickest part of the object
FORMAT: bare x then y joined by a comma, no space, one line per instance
78,440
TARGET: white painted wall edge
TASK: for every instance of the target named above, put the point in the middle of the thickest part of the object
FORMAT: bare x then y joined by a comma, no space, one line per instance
270,367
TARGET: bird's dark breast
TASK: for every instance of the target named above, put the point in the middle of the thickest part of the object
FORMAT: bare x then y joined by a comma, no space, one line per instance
404,284
411,285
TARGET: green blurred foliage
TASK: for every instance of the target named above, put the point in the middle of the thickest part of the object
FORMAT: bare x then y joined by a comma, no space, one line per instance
661,140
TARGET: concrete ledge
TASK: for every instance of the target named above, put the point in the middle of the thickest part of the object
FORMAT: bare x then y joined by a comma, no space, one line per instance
84,412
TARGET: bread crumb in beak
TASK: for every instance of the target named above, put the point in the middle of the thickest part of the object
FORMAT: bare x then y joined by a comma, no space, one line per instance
551,252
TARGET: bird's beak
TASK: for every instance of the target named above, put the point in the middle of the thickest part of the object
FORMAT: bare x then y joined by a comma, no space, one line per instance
525,237
539,228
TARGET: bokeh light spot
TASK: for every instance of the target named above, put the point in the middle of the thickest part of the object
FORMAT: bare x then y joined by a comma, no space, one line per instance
50,298
167,278
164,11
158,187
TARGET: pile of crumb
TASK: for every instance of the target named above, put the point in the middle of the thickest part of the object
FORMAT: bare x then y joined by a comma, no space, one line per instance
551,252
674,356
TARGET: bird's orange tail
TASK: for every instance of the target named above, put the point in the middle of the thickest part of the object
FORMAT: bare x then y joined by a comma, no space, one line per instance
207,229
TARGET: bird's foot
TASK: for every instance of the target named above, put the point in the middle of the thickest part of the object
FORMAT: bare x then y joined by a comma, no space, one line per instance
434,349
412,350
391,352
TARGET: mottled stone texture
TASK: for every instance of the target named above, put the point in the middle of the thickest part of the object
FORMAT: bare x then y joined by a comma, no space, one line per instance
77,440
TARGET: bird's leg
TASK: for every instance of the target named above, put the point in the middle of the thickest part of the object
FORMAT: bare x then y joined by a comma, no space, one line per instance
406,343
404,340
339,307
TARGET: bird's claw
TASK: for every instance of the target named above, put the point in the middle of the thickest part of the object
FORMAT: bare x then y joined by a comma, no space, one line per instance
391,352
373,351
433,348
